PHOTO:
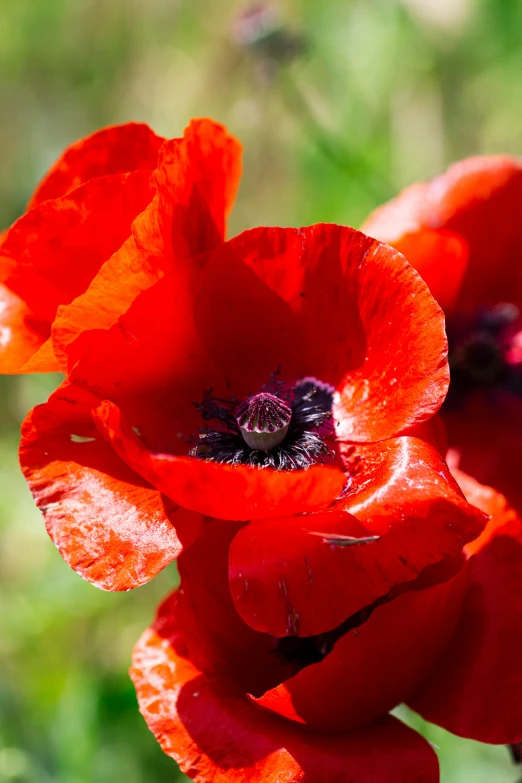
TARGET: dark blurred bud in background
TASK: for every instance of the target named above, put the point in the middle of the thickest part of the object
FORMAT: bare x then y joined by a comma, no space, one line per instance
259,31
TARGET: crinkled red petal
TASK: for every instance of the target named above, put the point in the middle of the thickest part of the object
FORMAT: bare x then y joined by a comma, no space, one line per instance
112,527
112,150
479,199
222,491
329,302
306,574
207,165
476,689
56,248
217,738
197,179
374,666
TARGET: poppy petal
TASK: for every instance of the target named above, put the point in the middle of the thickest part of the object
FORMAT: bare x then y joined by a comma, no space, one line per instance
112,527
54,250
217,738
376,665
305,575
263,294
44,360
114,150
442,258
21,336
400,216
502,515
475,690
213,157
197,179
152,363
220,644
222,491
470,198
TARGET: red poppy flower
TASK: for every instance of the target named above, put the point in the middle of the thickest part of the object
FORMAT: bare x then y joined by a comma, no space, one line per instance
115,463
62,262
230,703
462,233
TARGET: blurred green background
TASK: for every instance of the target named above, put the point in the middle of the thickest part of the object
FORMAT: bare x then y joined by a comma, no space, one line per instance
339,103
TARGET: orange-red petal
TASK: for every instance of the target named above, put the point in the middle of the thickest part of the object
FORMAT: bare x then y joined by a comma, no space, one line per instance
112,527
217,738
21,336
53,251
306,574
197,178
442,257
479,200
503,518
113,150
476,689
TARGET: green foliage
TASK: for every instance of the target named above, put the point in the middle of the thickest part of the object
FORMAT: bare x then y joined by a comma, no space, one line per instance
342,104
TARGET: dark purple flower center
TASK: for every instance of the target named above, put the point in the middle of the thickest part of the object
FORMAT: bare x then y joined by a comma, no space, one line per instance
485,352
281,428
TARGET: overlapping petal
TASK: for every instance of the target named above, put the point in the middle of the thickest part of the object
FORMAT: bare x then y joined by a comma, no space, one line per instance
113,150
206,168
478,199
475,689
112,527
217,738
153,364
53,251
306,574
442,256
51,254
219,643
502,517
22,335
80,225
375,665
197,179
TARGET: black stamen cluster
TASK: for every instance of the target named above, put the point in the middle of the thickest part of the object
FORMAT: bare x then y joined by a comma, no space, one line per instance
303,446
477,353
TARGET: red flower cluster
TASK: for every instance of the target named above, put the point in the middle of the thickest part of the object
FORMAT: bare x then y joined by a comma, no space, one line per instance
261,409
